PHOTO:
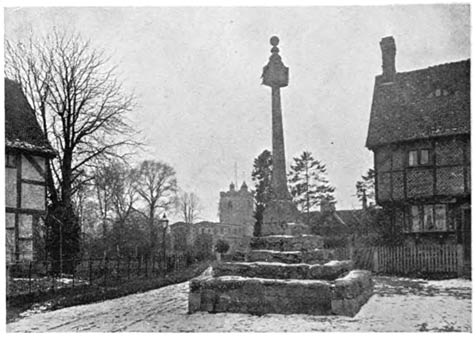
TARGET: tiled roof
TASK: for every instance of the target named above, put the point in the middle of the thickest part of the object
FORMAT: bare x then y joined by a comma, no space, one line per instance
22,131
346,218
421,104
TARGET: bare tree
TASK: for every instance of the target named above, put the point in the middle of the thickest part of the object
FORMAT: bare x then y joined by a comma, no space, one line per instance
116,195
157,186
188,206
79,103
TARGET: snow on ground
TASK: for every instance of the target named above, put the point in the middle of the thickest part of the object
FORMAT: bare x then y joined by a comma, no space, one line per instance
399,304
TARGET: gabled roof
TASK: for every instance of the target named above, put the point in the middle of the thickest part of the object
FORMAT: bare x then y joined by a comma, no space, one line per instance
421,104
22,131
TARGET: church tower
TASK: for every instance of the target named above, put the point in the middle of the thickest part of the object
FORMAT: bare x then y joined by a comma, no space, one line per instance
236,206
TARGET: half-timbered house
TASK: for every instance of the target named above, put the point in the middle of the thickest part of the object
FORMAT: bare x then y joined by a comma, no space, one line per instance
26,152
419,133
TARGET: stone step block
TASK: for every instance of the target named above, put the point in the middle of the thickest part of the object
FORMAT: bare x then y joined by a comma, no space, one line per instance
310,257
330,270
284,228
275,270
351,292
287,242
260,296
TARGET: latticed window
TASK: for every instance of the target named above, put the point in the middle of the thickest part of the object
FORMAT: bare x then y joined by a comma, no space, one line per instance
413,158
428,218
424,157
415,219
419,157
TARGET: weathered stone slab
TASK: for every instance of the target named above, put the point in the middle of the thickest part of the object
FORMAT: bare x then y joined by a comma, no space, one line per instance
276,270
317,256
351,292
270,270
260,296
275,256
287,242
309,257
331,270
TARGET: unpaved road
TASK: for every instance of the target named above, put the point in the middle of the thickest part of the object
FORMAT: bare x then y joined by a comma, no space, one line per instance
398,305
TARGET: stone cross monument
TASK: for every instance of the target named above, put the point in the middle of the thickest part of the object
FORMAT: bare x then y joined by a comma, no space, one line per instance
280,211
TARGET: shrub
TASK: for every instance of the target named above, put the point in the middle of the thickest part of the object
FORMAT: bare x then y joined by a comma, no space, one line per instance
222,246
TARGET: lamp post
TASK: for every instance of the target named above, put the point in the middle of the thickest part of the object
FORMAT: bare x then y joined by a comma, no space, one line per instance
164,224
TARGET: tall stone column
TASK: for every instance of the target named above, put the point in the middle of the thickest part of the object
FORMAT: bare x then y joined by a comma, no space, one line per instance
280,211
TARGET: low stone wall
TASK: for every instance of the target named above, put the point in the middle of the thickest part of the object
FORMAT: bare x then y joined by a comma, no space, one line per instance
275,270
310,257
351,292
259,296
287,243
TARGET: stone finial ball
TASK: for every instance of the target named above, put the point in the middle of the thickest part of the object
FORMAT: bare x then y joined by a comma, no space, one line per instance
274,41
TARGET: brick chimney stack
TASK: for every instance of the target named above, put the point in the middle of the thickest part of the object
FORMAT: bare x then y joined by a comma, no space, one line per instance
387,45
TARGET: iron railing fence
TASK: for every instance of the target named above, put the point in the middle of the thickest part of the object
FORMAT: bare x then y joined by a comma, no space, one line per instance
26,277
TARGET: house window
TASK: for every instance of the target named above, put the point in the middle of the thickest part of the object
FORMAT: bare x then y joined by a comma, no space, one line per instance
221,230
429,218
424,157
418,157
413,158
428,222
415,219
440,217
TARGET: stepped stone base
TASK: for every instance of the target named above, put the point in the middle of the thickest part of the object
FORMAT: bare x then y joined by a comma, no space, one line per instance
328,271
287,242
310,257
259,296
283,274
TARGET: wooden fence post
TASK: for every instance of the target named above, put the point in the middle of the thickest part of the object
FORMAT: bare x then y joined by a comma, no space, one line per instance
128,266
90,271
106,269
375,262
460,260
74,270
29,278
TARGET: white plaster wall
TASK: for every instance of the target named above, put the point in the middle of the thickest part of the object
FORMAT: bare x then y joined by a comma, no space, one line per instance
11,187
10,220
10,244
25,226
33,196
29,172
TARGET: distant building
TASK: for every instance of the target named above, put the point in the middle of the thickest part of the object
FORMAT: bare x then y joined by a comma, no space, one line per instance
235,226
419,132
26,152
236,207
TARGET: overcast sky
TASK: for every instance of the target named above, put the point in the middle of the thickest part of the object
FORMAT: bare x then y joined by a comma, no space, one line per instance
196,73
